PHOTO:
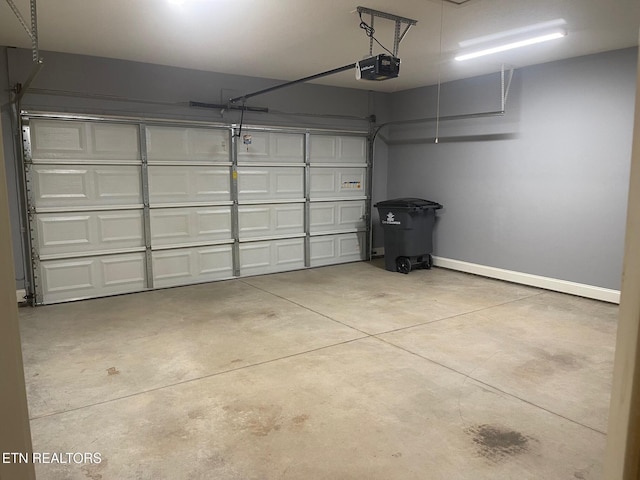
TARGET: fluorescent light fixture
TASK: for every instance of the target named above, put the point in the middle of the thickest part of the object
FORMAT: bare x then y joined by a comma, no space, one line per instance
511,46
535,29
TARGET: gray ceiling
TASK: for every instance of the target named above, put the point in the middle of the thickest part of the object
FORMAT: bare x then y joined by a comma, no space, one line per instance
289,39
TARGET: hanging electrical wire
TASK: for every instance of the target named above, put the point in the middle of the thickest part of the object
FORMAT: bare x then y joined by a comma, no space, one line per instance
370,31
439,73
244,102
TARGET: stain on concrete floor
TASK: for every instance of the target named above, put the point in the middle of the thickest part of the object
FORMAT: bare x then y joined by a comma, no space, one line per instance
300,419
546,364
496,443
258,420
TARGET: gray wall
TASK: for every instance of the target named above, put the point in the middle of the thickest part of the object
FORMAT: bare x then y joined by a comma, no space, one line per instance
94,85
380,157
13,186
542,190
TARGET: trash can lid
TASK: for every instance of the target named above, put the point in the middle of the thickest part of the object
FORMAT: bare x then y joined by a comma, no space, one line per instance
410,203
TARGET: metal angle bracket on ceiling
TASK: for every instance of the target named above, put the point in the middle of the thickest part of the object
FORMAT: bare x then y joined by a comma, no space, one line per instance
398,35
20,90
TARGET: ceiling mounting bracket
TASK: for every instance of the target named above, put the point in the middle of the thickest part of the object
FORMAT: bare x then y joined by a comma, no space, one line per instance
35,49
33,31
399,34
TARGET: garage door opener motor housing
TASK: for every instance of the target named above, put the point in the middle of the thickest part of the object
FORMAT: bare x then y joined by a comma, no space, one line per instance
378,67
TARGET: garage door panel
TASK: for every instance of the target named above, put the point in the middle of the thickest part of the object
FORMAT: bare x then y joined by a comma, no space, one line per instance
52,139
322,217
70,279
340,149
334,216
87,186
67,275
192,265
215,262
63,233
115,185
176,184
353,149
288,184
254,221
334,249
75,140
253,145
270,183
271,256
171,264
270,220
289,254
209,145
69,233
287,147
213,183
173,226
323,148
55,186
166,143
252,183
255,257
323,183
351,214
168,183
272,147
120,271
167,225
338,182
121,229
288,219
110,141
184,144
215,223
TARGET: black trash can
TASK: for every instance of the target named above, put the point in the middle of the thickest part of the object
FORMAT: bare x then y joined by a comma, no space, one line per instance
408,232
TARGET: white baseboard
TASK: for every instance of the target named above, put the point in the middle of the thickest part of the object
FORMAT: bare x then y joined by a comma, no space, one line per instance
20,295
563,286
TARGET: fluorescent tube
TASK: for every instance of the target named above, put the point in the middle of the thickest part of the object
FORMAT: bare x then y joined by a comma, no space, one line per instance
510,46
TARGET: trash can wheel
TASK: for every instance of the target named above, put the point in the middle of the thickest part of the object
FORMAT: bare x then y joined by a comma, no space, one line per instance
428,263
403,264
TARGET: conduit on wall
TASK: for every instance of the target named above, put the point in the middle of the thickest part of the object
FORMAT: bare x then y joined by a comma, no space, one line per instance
505,85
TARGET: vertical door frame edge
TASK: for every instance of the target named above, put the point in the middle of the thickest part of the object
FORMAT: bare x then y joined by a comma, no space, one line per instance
235,224
307,199
30,210
369,207
146,213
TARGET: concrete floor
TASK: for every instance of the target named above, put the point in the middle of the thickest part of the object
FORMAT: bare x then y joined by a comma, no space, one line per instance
343,372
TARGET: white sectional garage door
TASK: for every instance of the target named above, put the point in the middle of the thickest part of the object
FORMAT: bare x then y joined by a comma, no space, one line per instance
119,206
85,191
271,201
338,198
189,204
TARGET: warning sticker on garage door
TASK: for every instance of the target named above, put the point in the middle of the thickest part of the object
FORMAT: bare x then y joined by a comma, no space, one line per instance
351,185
